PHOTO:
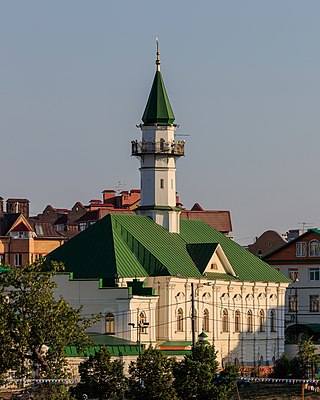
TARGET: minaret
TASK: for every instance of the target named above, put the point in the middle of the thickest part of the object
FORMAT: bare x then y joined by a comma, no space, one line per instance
158,152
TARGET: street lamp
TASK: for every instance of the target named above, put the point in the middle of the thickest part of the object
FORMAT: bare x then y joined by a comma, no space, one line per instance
139,326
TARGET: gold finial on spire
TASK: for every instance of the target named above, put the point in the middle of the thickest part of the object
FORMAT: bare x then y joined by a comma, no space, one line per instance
158,62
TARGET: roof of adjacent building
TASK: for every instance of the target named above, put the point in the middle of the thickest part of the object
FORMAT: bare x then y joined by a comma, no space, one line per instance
135,246
158,109
220,220
287,252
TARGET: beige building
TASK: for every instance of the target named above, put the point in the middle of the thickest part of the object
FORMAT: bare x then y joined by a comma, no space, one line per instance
163,280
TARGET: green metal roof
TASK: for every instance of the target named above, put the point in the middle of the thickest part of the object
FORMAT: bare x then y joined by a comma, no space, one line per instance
246,265
135,246
158,109
176,343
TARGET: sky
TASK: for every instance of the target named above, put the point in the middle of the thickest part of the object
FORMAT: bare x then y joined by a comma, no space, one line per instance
242,77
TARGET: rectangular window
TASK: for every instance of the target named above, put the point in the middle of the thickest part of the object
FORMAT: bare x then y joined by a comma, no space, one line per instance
1,259
293,303
161,183
82,226
301,249
293,274
17,260
314,303
38,257
314,274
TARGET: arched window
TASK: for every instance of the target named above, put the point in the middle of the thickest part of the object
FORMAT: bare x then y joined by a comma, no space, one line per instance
225,321
314,249
261,321
143,322
273,325
162,142
205,321
109,324
237,321
249,321
180,320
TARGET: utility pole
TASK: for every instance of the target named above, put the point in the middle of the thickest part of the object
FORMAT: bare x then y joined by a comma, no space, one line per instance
193,317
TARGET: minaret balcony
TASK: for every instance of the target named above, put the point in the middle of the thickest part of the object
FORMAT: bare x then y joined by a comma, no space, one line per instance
174,148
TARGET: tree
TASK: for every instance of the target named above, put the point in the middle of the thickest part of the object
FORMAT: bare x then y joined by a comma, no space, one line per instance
196,377
286,367
151,376
101,378
308,357
34,326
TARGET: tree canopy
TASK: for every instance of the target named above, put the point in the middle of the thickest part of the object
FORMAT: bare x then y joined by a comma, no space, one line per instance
151,376
35,327
101,378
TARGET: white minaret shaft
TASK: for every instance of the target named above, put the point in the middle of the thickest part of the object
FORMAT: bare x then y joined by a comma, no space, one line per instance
158,152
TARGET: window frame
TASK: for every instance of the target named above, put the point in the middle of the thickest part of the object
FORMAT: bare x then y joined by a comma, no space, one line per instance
206,321
180,320
17,257
250,321
312,249
109,323
237,321
301,249
314,274
262,321
313,303
225,320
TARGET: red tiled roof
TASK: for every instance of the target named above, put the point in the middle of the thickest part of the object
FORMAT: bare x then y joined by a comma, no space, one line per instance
220,220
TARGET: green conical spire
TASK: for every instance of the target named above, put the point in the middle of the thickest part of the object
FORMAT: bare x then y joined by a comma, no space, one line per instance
158,109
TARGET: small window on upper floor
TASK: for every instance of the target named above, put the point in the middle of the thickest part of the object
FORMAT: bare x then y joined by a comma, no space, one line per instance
161,183
314,303
314,274
293,274
301,249
17,261
314,248
259,253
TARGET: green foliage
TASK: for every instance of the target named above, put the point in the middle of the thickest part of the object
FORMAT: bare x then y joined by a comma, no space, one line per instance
308,357
52,392
101,378
286,367
34,326
196,376
151,376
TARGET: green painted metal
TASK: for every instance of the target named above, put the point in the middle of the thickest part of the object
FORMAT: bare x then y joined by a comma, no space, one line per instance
135,246
201,253
158,109
172,343
246,265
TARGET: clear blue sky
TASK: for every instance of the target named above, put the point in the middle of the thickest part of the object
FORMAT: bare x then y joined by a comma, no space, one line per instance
243,78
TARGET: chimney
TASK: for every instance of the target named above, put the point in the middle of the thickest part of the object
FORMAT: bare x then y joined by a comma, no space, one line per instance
108,194
18,206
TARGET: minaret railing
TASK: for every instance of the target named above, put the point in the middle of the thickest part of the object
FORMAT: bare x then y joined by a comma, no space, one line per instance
173,148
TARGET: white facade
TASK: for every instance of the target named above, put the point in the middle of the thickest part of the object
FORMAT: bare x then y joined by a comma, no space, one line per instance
243,320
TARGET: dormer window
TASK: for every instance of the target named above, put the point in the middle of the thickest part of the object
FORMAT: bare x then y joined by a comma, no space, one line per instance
301,249
314,248
20,234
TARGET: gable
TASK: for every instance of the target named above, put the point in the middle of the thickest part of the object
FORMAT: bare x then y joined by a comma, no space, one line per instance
20,225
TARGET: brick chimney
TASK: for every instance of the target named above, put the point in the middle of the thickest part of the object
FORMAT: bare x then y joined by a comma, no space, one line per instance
18,206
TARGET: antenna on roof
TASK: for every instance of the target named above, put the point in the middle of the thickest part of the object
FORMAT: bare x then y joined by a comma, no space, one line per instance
306,225
120,186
